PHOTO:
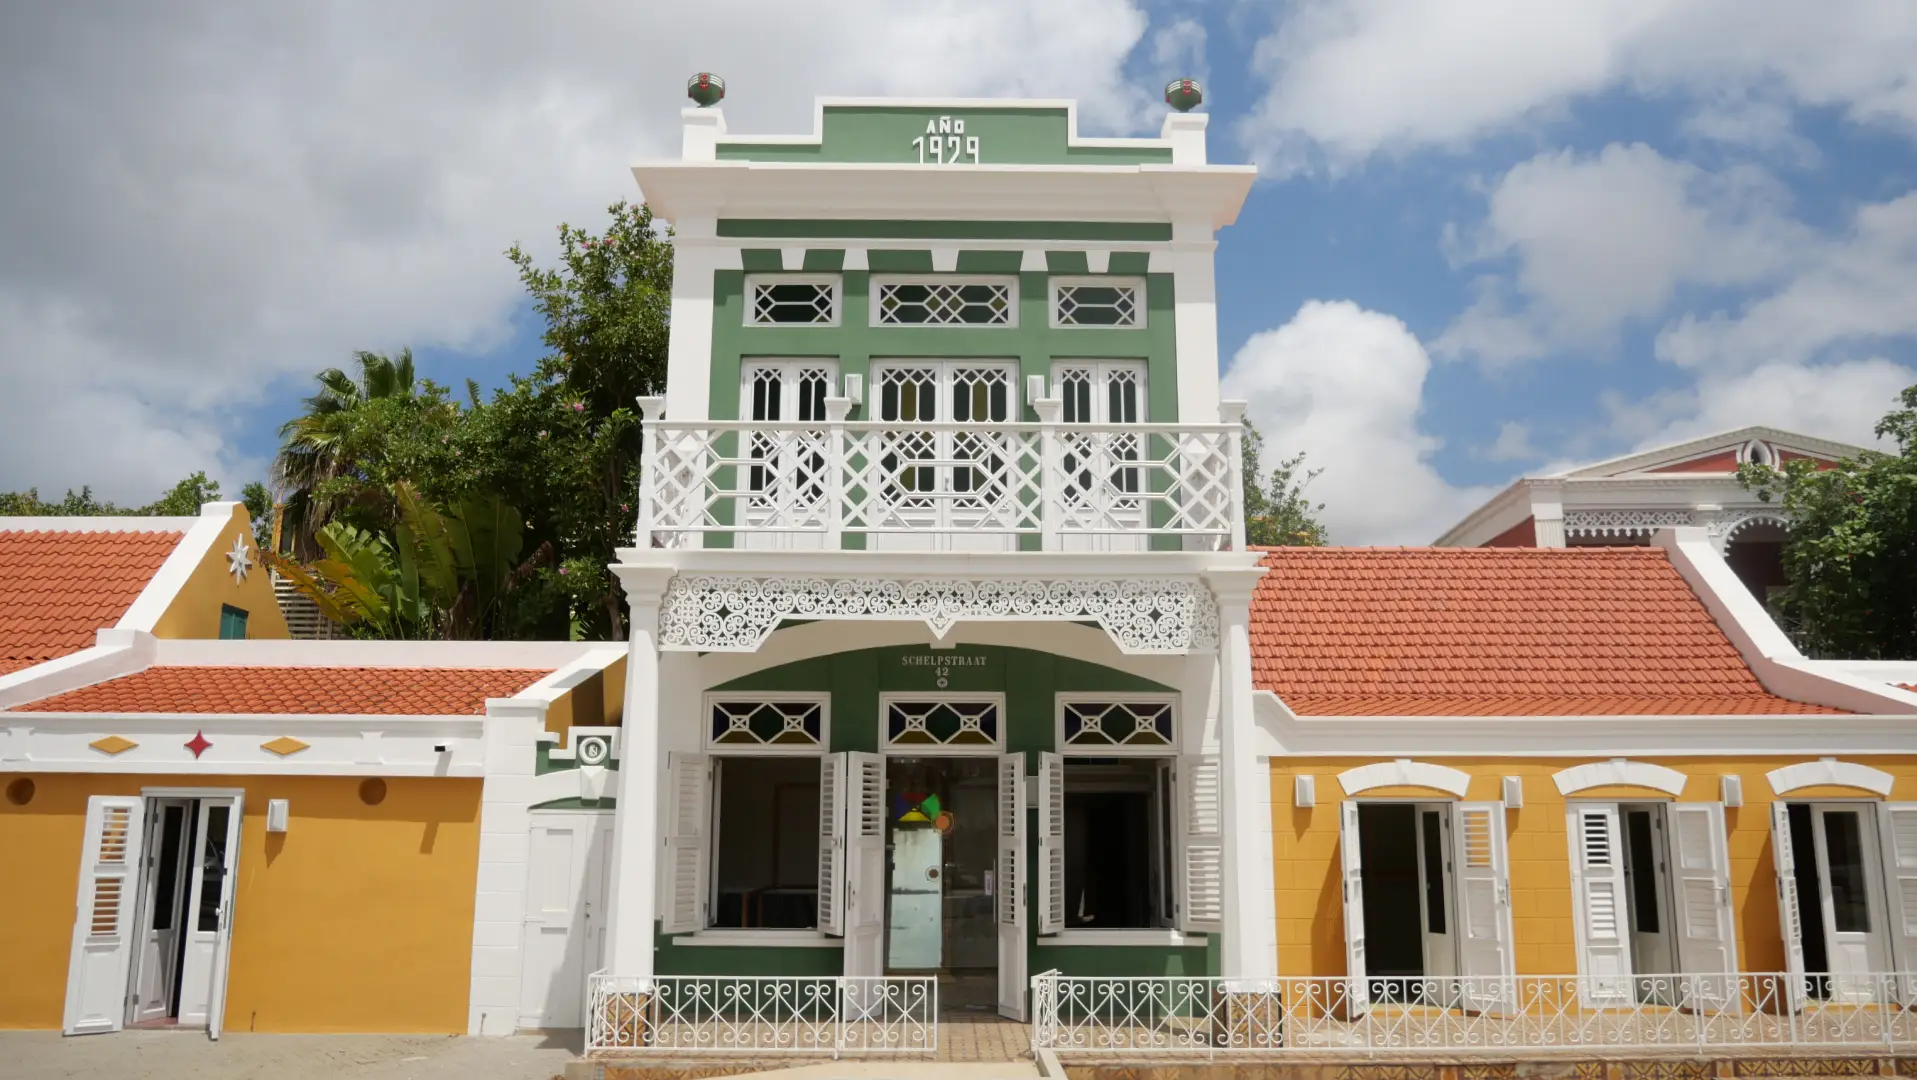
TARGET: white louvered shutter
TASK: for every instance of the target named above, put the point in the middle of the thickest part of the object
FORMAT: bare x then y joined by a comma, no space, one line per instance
689,780
1202,906
832,844
1701,879
1010,900
103,929
1051,843
1897,827
1597,891
864,827
1485,957
1790,913
1357,981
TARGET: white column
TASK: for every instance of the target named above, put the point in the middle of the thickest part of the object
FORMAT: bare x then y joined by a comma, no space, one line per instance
635,831
1547,512
1247,950
1196,309
506,795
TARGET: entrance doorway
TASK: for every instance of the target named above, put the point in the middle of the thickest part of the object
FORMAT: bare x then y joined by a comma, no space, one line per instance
178,972
1409,900
1841,929
942,843
568,867
1647,899
154,916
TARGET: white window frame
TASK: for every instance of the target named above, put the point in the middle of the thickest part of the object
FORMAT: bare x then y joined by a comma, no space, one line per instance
788,367
1115,280
888,748
835,281
820,698
1061,700
878,280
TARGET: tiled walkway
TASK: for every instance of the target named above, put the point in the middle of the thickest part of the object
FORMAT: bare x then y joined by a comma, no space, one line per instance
188,1055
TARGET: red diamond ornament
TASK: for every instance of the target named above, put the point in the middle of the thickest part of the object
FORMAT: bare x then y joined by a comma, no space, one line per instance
198,745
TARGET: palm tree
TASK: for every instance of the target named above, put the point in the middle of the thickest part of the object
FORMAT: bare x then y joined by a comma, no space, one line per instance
317,447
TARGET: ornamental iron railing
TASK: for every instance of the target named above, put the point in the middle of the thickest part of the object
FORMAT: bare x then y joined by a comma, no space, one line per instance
751,1015
1202,1017
1074,487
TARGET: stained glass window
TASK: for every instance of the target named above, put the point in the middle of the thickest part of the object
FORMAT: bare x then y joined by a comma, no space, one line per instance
1118,723
941,723
798,724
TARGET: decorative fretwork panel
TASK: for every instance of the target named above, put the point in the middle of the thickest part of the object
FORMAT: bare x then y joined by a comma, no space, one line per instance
924,725
1109,303
790,302
736,613
939,303
748,722
789,466
1107,725
1621,522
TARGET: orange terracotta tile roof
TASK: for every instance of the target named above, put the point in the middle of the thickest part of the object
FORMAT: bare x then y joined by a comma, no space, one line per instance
58,588
310,690
1494,632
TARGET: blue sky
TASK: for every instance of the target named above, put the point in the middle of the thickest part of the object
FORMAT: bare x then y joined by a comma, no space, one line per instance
1491,237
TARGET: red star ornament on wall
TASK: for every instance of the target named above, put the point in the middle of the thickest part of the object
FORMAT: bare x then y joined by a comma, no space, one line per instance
198,744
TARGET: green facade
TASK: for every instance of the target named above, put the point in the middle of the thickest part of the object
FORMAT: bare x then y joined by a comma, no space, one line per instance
1030,681
885,134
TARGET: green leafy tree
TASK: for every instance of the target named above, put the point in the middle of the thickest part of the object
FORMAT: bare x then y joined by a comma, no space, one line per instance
183,499
1277,513
1851,561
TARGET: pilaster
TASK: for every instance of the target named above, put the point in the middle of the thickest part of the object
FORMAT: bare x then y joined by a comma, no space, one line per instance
1547,512
506,796
633,898
1248,949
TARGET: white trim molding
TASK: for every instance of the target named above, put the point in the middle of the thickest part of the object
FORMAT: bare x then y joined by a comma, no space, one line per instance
1619,771
1406,773
1829,771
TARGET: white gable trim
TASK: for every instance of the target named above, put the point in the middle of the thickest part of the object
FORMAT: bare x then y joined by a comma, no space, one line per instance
1404,772
1828,771
187,555
1619,771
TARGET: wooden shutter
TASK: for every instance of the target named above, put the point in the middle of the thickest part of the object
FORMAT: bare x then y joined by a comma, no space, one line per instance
1357,983
686,867
864,920
1203,850
832,844
1485,957
1010,901
1051,843
1599,901
1701,880
1897,829
103,926
1790,913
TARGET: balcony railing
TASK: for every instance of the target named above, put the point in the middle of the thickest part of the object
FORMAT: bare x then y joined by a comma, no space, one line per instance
1201,1017
942,486
753,1015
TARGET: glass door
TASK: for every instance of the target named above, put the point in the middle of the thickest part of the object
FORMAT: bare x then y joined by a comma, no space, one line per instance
156,958
942,834
1846,869
949,489
209,913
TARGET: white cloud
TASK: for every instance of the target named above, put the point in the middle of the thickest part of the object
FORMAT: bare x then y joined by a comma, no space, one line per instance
1852,288
1512,444
1346,386
1351,78
1603,239
201,198
1842,401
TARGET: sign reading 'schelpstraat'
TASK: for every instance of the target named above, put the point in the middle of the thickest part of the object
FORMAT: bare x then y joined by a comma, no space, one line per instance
946,143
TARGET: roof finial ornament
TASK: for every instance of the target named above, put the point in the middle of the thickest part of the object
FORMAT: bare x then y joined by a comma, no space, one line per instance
1184,94
706,89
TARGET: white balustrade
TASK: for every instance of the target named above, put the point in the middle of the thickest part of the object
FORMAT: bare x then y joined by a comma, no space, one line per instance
1078,487
752,1015
1201,1017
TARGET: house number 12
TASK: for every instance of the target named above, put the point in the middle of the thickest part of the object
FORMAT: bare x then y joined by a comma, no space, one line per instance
946,143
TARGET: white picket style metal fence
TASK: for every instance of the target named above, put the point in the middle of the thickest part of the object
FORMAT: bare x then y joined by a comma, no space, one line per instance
1202,1017
762,1014
1079,487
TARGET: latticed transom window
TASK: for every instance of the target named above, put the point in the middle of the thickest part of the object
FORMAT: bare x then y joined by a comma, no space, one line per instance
744,723
1116,302
927,724
777,301
1106,724
944,303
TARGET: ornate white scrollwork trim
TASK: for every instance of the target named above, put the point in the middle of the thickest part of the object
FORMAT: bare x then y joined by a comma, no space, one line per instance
1621,522
1732,522
736,613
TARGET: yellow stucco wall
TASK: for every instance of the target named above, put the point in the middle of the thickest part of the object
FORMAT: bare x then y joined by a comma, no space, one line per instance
358,918
195,610
1307,864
